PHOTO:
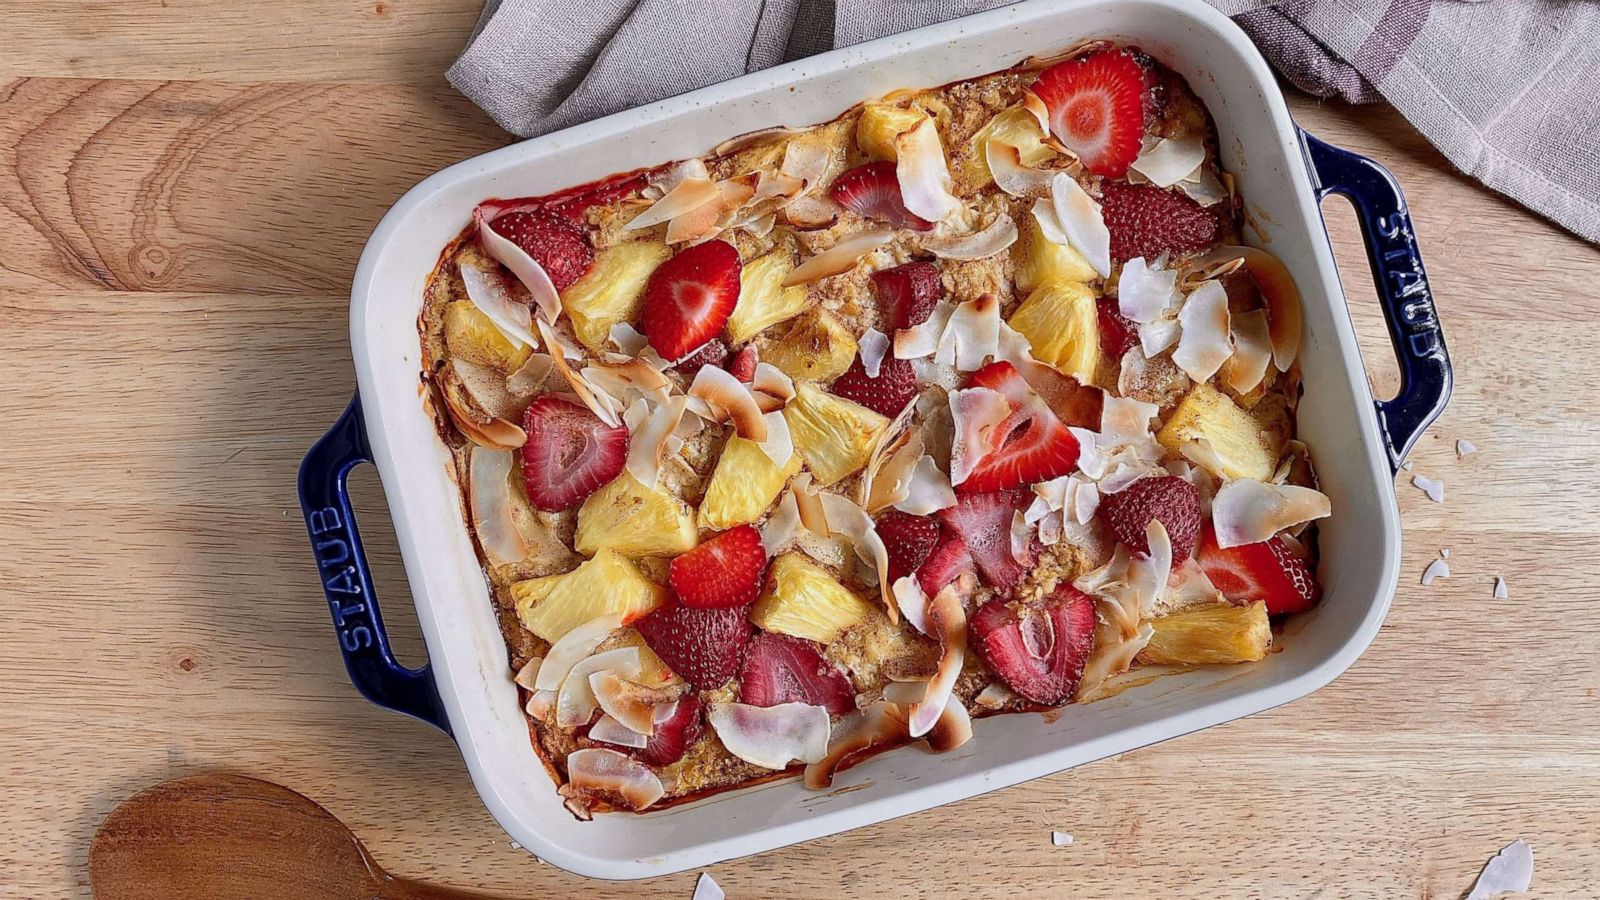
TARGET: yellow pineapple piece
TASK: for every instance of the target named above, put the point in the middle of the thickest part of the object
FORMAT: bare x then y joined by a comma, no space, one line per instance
763,300
612,289
880,124
635,520
610,583
1039,260
802,599
1017,127
817,347
1231,444
745,482
834,435
1209,635
474,337
1059,320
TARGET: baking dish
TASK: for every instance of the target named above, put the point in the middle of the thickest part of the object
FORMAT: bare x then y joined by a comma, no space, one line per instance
466,688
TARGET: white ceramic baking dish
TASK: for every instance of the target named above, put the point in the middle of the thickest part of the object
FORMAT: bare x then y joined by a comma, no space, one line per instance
466,688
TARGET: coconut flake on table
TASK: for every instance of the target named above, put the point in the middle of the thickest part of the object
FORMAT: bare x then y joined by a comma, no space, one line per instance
1509,871
1501,592
490,291
840,258
1406,466
488,474
1444,552
1170,161
923,174
1206,340
526,268
1011,175
1060,838
613,775
706,888
996,237
774,736
1247,511
1433,487
1465,447
873,345
1436,569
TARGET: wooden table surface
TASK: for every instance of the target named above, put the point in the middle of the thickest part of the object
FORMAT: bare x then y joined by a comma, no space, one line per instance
184,189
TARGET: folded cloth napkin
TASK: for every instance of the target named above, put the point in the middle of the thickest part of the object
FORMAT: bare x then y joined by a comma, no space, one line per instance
1506,90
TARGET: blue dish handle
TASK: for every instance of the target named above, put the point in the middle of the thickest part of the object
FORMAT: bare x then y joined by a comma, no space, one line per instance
347,581
1403,290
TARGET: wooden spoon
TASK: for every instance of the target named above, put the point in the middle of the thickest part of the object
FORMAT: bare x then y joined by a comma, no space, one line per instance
216,837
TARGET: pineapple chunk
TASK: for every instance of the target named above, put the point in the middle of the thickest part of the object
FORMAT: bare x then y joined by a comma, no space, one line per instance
634,520
803,600
610,583
744,484
1059,320
817,347
763,300
612,289
834,435
474,337
1234,447
1039,260
1017,127
1210,635
880,124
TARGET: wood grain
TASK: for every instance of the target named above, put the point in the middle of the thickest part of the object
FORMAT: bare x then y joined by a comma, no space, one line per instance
181,219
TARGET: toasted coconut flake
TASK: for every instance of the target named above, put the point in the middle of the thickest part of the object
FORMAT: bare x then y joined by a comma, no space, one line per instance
608,730
1252,351
489,471
1081,222
541,705
972,336
1203,187
490,292
1436,569
526,268
1246,511
527,677
774,736
874,726
976,412
885,478
664,180
808,161
615,776
687,196
1171,161
928,491
575,701
782,527
851,522
487,388
1011,175
1150,573
995,238
572,647
838,259
1207,339
995,696
874,345
923,174
1124,420
949,622
633,705
696,225
531,377
1501,592
912,602
923,340
1036,106
601,404
651,429
1145,293
811,212
729,400
1465,447
478,426
771,381
1284,315
807,498
953,729
1157,336
1433,487
1112,658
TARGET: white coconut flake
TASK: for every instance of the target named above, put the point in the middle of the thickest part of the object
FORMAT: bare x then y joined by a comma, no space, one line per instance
1247,511
650,429
774,736
840,258
928,489
1203,187
1433,487
1060,839
873,345
1508,872
1501,592
912,601
528,675
923,174
572,647
1444,552
1436,569
994,696
995,238
976,413
489,472
1171,161
1406,466
575,702
614,775
779,445
707,888
923,340
782,527
1465,447
1146,294
1081,222
609,731
491,294
1207,339
972,336
1155,337
1011,175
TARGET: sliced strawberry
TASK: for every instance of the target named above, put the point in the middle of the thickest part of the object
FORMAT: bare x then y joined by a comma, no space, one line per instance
559,245
569,454
886,395
1118,333
673,737
704,646
713,353
907,294
1040,650
689,298
743,364
873,190
1032,445
1147,221
1172,500
1096,105
1267,571
909,539
723,571
948,560
783,669
984,523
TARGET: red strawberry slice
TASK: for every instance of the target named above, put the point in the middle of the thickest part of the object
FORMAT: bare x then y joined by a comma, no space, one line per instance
909,539
886,395
948,560
673,737
689,298
704,646
714,353
723,571
559,245
783,669
1032,445
1172,500
1118,333
873,190
1096,105
743,364
1267,571
569,454
984,523
1147,221
907,294
1040,650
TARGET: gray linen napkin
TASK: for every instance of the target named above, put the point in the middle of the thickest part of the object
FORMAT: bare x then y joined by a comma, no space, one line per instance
1508,90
